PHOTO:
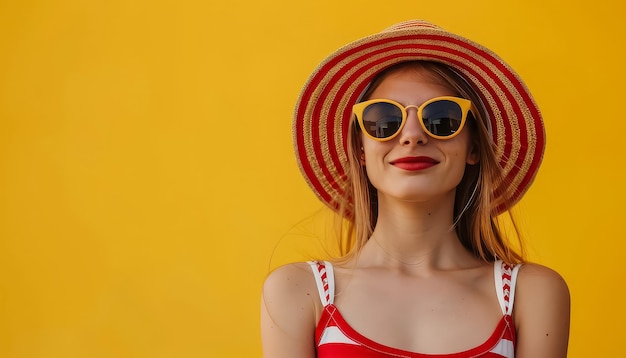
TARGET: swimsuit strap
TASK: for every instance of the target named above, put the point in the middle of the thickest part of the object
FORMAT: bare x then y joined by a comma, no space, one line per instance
325,280
505,276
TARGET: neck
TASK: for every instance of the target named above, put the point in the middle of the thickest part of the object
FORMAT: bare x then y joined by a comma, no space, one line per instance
416,234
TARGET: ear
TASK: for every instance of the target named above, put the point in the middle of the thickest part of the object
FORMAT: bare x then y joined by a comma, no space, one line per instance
473,157
362,157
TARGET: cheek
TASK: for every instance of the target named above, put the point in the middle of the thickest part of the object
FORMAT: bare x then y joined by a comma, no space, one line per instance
373,158
371,149
461,155
466,149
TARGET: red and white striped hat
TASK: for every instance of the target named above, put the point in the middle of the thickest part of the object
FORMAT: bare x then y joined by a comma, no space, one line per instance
324,108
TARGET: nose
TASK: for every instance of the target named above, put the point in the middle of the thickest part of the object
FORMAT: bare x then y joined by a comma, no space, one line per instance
412,133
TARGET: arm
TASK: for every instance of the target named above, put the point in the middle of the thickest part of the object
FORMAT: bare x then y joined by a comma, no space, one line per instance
541,313
289,312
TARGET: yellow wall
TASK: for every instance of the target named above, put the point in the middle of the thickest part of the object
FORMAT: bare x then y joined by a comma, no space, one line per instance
147,173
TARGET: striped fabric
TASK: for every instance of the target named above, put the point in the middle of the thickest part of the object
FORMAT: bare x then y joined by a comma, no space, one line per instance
335,338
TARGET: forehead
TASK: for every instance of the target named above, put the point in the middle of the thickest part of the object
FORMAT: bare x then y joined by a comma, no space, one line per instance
408,85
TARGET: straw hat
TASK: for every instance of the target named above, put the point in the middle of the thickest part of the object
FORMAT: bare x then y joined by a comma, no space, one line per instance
324,107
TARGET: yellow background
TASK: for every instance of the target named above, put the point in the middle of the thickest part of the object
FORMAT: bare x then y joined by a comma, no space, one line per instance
147,172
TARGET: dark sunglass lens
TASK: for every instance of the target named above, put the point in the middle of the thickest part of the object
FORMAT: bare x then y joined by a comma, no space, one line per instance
442,118
382,120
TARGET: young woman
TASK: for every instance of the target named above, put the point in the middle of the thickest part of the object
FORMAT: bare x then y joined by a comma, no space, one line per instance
419,138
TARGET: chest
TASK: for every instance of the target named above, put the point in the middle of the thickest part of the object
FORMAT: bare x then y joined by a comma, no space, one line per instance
436,314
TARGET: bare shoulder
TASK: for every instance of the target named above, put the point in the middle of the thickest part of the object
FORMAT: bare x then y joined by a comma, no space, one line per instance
289,311
539,282
541,312
291,281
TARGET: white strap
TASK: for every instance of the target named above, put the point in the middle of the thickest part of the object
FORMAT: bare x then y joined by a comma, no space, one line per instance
505,286
497,276
324,278
513,284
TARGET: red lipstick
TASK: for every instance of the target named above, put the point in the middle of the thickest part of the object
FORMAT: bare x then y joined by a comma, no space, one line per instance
414,163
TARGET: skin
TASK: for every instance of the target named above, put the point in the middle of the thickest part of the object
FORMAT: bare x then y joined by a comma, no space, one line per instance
413,286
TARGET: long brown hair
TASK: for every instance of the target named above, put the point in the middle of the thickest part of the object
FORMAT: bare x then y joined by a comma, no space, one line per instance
478,229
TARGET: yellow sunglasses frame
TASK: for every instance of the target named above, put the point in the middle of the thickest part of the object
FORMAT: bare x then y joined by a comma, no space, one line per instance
465,105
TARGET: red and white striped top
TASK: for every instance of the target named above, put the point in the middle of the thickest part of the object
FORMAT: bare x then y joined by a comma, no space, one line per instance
335,338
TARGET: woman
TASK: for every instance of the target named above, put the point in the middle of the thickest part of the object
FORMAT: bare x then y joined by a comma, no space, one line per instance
419,138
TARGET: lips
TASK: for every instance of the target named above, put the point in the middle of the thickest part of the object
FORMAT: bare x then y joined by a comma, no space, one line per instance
414,163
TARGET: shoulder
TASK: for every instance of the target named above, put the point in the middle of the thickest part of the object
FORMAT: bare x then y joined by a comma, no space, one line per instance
291,279
291,289
541,312
541,282
290,307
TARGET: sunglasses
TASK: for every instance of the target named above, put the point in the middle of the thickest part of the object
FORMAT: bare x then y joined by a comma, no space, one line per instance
440,117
